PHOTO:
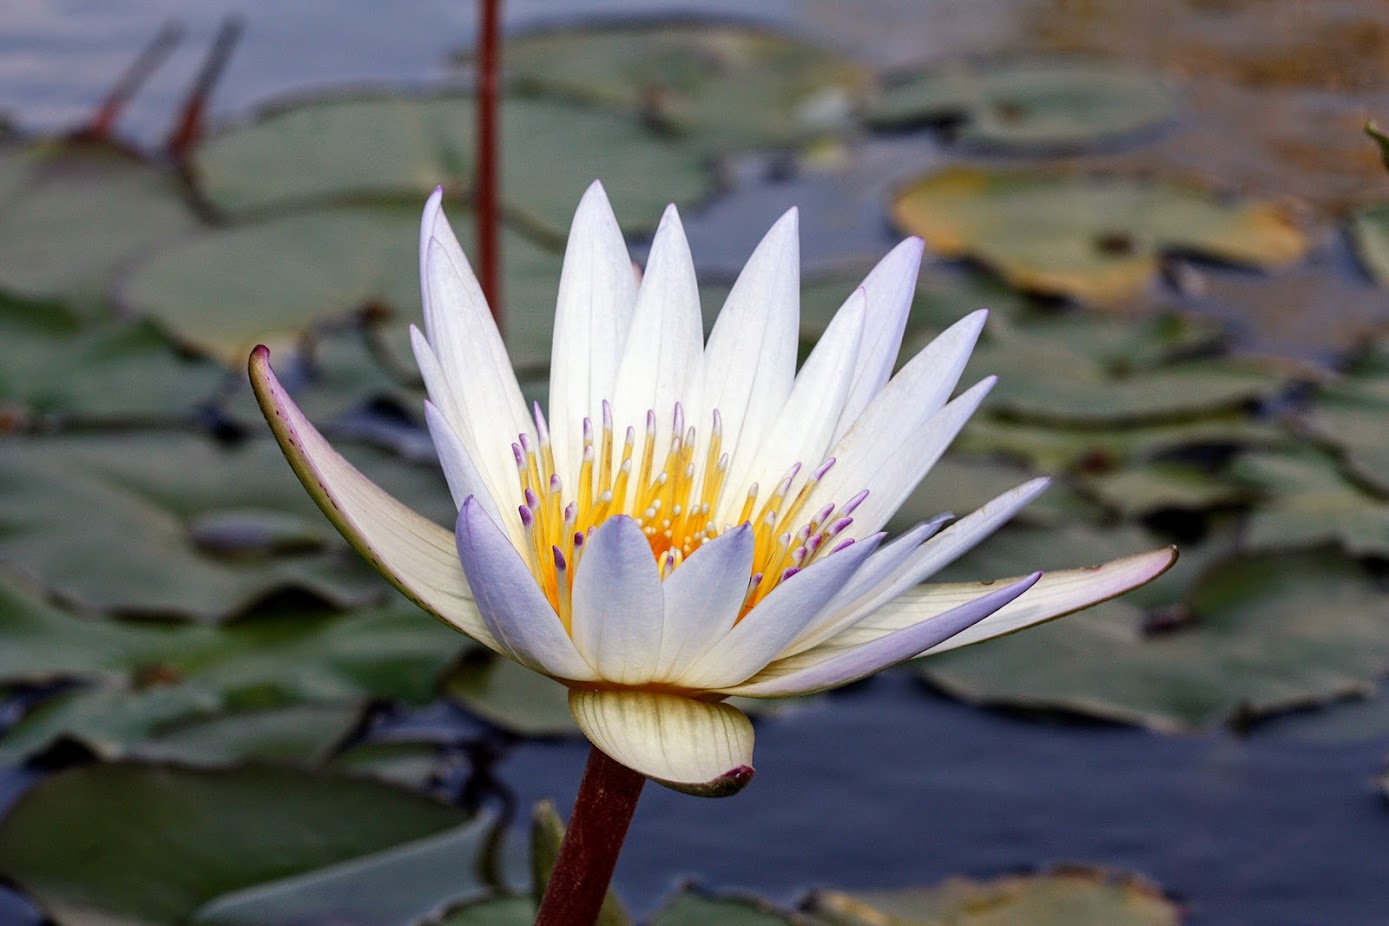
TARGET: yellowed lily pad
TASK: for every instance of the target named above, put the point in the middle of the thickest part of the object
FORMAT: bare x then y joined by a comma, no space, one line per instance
1026,104
1095,239
1072,896
723,86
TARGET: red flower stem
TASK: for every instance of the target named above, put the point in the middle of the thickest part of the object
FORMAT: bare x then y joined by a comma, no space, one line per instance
587,856
486,182
154,54
188,128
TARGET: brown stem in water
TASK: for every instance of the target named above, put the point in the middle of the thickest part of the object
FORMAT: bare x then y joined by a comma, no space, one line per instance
486,181
149,60
189,127
602,812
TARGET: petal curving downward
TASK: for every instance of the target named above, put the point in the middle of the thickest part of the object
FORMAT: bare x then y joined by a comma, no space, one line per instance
416,555
619,605
597,293
514,608
698,747
843,665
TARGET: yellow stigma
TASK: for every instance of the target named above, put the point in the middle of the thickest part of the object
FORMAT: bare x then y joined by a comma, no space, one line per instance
674,499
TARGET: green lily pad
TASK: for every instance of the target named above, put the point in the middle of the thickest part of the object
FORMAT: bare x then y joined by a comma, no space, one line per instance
1027,105
1143,489
228,288
52,366
510,696
410,765
1071,896
724,87
1069,373
401,884
150,844
156,511
693,907
501,911
1349,416
339,148
73,214
303,734
1095,239
1369,233
1264,634
960,483
1309,503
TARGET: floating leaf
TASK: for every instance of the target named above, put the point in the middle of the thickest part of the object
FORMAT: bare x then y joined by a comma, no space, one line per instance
692,907
505,911
1369,232
226,289
303,735
510,696
54,366
73,214
724,86
149,844
960,483
1140,490
402,884
1266,634
1350,416
1071,896
1091,238
1309,504
141,502
1027,105
369,147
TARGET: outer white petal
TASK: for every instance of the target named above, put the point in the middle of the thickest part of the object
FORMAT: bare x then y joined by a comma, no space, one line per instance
661,361
764,632
515,610
476,368
703,598
459,470
917,565
414,553
890,288
619,605
597,293
849,664
803,428
750,361
699,747
889,462
1056,594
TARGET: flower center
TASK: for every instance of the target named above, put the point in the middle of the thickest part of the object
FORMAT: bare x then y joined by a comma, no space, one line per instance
675,500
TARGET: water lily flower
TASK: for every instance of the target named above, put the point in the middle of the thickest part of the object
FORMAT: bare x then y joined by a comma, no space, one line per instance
690,521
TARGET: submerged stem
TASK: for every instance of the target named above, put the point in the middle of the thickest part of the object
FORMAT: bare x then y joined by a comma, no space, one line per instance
607,799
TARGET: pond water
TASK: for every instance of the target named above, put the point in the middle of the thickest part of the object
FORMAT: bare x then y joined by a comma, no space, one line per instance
890,785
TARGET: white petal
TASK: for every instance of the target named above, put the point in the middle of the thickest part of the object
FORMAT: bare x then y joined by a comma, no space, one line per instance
804,426
514,608
918,565
699,747
472,357
764,632
1056,594
842,665
750,361
619,605
661,361
890,288
414,553
890,462
703,598
597,293
459,470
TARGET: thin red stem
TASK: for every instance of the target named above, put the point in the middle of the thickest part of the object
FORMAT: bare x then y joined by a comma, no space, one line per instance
602,812
486,194
153,55
188,128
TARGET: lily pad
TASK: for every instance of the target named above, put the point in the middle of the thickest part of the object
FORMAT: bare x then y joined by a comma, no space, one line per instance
403,884
226,289
1071,896
151,844
339,148
1095,239
154,509
1309,503
1147,488
725,87
1349,416
1260,634
510,696
1027,105
74,214
301,735
1369,232
501,911
693,907
53,366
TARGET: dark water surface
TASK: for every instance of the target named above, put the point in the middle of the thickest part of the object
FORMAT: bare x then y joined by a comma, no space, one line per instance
882,786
